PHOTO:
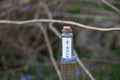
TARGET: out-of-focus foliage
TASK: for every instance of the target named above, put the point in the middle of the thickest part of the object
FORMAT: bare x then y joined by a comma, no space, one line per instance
23,51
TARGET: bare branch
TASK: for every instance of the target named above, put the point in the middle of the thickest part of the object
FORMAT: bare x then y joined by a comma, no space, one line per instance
110,5
50,50
58,21
82,65
48,41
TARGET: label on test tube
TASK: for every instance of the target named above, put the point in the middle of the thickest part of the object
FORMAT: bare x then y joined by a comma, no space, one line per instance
66,47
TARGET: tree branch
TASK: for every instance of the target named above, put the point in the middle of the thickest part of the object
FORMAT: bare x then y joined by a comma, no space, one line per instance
57,21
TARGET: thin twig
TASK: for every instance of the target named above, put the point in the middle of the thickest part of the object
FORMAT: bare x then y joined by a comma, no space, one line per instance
82,65
110,5
48,42
50,50
58,21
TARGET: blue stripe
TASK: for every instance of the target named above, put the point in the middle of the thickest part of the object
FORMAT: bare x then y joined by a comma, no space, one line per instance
68,59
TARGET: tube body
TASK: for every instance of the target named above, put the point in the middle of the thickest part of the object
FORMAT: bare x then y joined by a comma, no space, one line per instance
67,46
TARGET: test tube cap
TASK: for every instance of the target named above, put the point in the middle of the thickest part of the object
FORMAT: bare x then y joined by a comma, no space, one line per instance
66,29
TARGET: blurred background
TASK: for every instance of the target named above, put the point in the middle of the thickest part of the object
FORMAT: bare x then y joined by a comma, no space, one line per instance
24,54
